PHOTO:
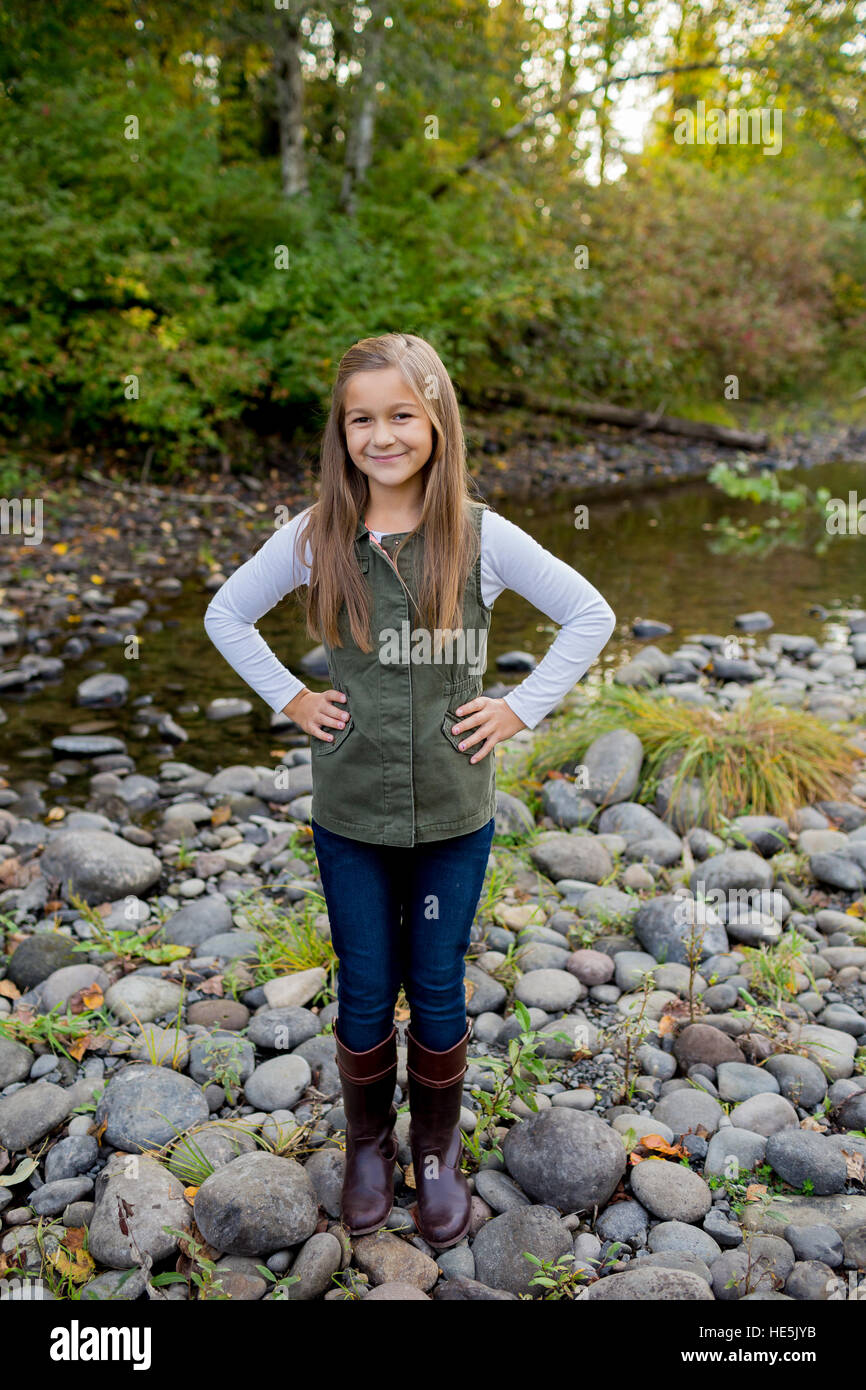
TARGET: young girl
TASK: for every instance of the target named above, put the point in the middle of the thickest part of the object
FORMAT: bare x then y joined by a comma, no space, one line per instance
403,566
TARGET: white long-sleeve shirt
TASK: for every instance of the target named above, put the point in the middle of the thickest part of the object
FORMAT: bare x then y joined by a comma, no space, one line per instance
510,559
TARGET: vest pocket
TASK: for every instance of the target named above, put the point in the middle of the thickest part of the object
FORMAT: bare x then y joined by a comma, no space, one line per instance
320,747
456,739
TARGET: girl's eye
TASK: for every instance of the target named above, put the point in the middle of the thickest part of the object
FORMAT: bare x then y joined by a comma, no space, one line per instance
361,419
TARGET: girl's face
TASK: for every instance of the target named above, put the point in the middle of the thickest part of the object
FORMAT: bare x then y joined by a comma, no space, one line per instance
389,435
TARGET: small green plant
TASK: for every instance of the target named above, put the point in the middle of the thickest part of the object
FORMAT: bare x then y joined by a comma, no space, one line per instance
59,1030
130,945
510,1081
185,855
630,1033
279,1285
559,1277
202,1273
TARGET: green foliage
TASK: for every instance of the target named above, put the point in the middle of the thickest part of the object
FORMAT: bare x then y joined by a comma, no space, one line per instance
140,295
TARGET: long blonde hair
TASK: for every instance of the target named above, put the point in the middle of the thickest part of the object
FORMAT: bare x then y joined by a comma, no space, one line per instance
450,541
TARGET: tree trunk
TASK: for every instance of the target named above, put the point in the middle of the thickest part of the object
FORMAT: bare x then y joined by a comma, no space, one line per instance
627,419
289,81
359,146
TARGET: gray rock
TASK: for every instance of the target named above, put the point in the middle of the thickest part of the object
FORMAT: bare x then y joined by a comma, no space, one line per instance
198,920
732,1151
738,1081
734,1275
832,1049
801,1155
764,1114
732,869
144,1107
115,1285
318,1259
613,762
99,866
15,1062
70,1157
278,1083
801,1081
837,871
150,1199
577,856
499,1247
282,1030
326,1169
726,1233
683,1238
29,1114
631,966
488,995
671,1191
814,1281
683,1111
623,1221
654,1062
551,990
143,998
62,984
220,1142
222,1056
703,1042
565,1158
852,1112
656,1283
499,1191
256,1205
52,1198
666,924
843,1017
39,956
816,1242
845,1213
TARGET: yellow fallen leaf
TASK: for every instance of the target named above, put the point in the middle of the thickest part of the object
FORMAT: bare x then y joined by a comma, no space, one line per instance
79,1047
409,1177
189,1194
76,1265
9,990
92,996
220,815
56,813
60,548
667,1024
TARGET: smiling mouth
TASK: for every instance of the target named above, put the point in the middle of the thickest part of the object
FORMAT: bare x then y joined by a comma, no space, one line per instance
385,458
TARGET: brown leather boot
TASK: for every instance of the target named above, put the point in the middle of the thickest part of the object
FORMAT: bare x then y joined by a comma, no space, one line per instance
444,1207
368,1080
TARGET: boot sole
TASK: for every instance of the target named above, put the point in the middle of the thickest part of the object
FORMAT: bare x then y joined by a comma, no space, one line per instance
436,1244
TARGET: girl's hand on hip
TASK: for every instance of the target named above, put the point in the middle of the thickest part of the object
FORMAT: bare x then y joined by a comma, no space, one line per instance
487,722
317,714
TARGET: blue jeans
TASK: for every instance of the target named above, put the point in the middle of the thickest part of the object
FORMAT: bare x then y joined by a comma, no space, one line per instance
401,914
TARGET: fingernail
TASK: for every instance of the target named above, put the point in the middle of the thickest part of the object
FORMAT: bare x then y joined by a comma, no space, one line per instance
462,746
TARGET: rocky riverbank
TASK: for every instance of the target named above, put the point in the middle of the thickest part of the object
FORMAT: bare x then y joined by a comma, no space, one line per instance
170,1118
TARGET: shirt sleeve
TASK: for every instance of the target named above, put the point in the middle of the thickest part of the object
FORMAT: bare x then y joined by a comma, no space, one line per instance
512,559
245,597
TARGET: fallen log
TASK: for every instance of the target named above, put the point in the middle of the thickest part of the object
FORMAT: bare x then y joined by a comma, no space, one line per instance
622,416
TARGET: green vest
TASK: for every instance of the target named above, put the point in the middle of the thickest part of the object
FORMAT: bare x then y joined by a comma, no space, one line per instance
395,774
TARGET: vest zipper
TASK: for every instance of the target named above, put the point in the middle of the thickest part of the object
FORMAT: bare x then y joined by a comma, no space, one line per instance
411,730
